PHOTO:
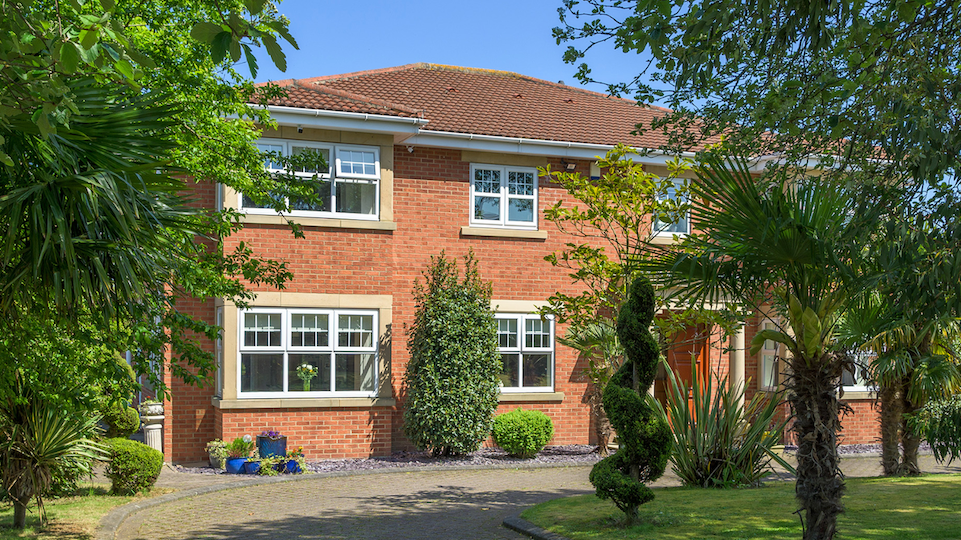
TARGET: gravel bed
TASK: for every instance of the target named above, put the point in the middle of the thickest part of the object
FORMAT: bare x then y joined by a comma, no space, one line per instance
576,454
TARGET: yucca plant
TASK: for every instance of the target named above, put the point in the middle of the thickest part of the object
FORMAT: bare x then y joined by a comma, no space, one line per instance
716,442
35,438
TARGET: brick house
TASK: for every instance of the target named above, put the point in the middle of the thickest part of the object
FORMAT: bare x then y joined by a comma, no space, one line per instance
423,158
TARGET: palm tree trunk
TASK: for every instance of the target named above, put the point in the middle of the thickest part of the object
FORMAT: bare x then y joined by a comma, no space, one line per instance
890,428
814,400
910,441
19,515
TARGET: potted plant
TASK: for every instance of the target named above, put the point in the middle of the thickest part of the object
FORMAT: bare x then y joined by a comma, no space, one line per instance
271,443
217,453
306,372
237,453
295,461
151,407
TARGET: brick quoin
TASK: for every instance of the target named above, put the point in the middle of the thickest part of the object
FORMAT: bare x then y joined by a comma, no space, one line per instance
431,198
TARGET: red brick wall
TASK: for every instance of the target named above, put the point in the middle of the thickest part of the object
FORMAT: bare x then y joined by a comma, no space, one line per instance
431,203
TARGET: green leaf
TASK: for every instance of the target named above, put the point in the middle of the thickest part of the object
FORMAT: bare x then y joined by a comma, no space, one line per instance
205,32
811,330
234,50
281,28
125,68
255,6
108,5
69,56
768,334
276,54
218,49
4,158
251,61
89,37
141,58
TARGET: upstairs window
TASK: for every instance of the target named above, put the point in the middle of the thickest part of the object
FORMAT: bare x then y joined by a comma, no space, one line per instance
349,187
503,196
666,225
526,345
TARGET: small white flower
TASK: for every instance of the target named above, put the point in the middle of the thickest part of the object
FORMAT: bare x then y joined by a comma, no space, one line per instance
247,438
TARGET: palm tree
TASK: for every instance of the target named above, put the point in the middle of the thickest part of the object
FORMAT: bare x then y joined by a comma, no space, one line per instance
913,362
36,436
793,242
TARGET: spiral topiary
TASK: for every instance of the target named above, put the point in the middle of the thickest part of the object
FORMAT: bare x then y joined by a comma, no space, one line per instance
643,433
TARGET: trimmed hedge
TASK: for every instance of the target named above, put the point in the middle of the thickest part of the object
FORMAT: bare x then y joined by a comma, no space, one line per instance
122,421
133,466
522,433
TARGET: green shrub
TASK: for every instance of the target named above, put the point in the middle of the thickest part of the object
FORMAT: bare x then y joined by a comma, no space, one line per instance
122,421
133,466
522,433
451,383
716,442
642,430
939,422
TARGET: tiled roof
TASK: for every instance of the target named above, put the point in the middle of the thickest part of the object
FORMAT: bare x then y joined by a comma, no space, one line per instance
482,102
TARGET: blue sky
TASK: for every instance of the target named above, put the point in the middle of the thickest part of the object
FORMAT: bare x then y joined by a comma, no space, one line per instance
508,35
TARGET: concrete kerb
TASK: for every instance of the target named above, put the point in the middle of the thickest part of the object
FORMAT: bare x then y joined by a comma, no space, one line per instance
515,523
110,523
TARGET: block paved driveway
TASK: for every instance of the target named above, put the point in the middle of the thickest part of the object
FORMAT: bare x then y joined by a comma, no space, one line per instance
433,505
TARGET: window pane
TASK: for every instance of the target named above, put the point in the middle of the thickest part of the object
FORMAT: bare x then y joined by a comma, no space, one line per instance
262,373
357,197
510,373
520,183
354,372
487,181
322,152
262,329
768,373
247,202
355,331
488,208
308,330
321,367
268,163
537,334
520,210
357,162
537,370
322,190
770,345
507,332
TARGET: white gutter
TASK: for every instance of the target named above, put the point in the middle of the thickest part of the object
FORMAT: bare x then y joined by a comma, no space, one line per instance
520,145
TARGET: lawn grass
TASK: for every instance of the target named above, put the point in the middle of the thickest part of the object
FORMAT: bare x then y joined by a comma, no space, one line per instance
924,508
69,518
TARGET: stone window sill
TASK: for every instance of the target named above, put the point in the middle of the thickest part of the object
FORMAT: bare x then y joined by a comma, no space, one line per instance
521,397
302,403
503,233
259,219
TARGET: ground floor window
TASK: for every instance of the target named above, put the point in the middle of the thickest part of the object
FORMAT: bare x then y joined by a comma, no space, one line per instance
307,352
769,360
526,346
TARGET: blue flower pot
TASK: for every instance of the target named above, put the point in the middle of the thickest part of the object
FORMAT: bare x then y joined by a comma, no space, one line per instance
235,465
268,447
292,467
251,467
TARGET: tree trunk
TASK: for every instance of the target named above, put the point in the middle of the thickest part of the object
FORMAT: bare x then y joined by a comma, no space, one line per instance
813,397
890,420
910,441
19,515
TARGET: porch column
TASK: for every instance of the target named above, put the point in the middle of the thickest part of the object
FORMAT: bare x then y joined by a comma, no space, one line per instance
737,363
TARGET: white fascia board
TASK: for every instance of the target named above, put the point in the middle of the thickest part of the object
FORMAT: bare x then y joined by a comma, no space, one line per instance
401,127
532,147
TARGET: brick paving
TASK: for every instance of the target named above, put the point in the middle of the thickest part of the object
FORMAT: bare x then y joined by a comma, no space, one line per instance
450,503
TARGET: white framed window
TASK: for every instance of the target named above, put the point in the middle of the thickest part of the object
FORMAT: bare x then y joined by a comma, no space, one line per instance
338,345
526,346
769,359
683,224
503,196
856,379
349,187
219,354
